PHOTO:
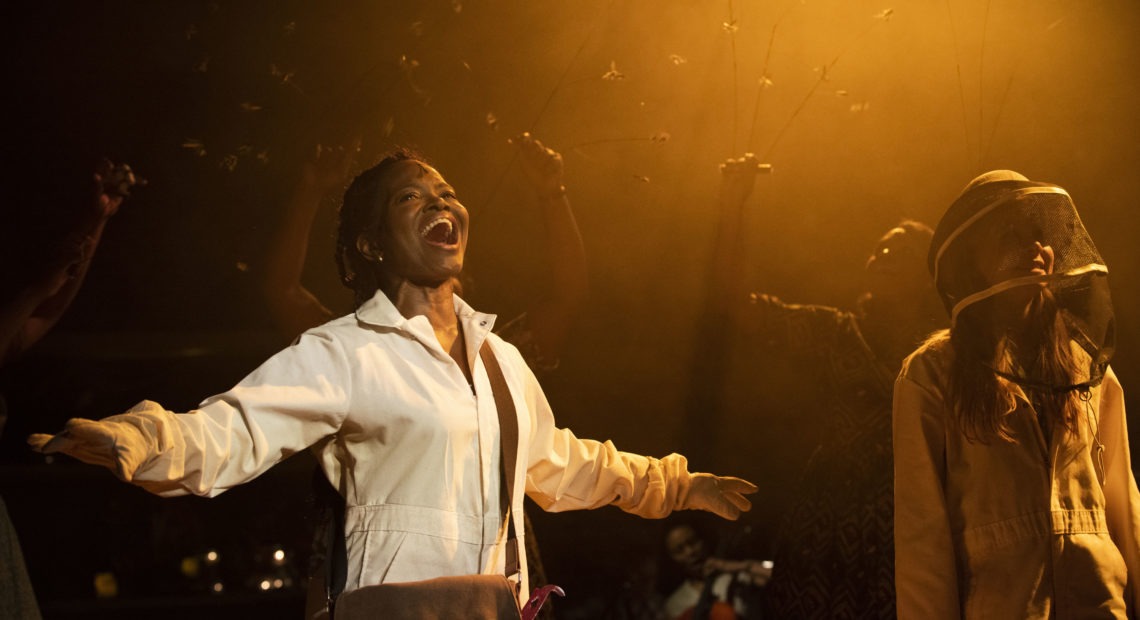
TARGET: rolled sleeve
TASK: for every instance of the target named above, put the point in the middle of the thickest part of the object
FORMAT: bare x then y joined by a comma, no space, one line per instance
568,473
290,402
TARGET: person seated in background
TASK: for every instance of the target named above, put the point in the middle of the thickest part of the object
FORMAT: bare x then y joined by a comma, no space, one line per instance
714,587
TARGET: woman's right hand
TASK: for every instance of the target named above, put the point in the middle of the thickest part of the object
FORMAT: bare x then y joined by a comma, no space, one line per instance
116,445
330,168
720,495
542,166
738,176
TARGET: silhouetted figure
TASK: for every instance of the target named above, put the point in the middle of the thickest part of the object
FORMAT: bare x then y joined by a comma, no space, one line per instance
833,550
714,588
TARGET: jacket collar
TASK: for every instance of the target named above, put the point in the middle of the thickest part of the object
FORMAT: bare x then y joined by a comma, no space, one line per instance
379,311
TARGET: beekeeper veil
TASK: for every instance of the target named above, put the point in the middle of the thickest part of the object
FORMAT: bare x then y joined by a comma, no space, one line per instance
984,252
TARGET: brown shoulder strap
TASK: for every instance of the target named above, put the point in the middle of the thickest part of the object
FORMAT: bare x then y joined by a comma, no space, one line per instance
509,439
336,562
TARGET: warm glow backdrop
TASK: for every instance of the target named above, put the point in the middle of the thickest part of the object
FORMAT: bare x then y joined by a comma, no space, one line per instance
868,111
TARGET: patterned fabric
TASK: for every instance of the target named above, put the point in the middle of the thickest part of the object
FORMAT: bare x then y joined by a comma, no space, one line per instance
834,555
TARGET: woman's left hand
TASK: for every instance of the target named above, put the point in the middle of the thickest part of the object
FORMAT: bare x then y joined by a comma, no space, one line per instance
330,167
738,176
720,495
543,166
113,184
115,443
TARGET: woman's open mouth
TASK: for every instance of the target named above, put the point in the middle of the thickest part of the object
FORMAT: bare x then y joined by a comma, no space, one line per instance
441,232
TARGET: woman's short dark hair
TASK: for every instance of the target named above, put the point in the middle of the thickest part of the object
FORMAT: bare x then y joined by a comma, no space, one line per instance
365,208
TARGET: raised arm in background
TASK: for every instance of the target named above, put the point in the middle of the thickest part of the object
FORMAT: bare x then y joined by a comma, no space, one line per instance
292,307
542,331
726,287
38,302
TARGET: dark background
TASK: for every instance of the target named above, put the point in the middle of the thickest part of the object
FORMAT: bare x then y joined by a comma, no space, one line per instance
868,118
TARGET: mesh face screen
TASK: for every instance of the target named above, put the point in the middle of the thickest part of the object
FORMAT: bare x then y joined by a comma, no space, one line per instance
1011,246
